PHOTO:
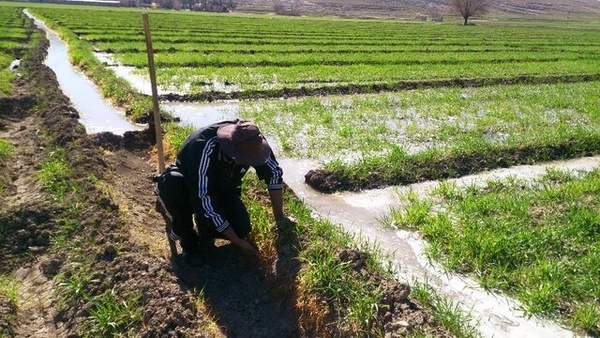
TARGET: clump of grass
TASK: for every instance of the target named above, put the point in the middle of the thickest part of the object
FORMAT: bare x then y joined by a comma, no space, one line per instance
55,174
446,312
6,79
112,316
175,135
207,324
537,240
414,215
73,287
9,287
6,149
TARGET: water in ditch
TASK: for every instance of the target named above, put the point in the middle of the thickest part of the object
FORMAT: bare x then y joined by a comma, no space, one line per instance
96,114
357,213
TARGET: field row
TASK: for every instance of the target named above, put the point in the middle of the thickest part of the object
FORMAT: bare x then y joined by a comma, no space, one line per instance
443,120
305,48
342,80
536,240
13,40
198,53
188,23
275,38
185,59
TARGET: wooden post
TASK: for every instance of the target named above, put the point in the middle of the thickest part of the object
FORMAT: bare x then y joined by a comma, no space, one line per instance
158,130
157,126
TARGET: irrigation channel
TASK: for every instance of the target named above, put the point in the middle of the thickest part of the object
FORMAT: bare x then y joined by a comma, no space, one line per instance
358,213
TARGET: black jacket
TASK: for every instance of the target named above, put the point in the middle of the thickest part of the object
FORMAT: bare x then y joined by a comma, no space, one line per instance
208,173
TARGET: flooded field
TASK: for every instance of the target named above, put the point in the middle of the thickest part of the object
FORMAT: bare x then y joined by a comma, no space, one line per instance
360,214
393,148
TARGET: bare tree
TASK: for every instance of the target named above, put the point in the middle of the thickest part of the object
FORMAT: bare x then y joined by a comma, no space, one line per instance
469,8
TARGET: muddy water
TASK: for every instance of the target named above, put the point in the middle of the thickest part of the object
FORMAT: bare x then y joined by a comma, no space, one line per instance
96,114
357,213
138,82
199,115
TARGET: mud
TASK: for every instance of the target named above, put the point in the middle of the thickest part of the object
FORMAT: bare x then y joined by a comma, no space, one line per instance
398,314
450,166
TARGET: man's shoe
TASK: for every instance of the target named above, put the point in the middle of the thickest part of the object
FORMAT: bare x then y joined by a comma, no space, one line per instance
192,258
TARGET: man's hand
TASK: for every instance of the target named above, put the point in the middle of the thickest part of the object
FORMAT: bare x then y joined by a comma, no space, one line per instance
248,249
242,244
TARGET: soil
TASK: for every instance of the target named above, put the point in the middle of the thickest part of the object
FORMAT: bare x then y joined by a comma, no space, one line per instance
120,237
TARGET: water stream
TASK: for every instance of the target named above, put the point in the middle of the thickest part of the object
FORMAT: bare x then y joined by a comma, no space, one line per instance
96,114
357,213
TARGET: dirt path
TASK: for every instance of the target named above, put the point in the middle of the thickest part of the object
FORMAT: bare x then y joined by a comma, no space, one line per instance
236,292
24,211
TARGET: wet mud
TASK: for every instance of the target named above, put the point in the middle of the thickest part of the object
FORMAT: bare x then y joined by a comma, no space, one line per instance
450,166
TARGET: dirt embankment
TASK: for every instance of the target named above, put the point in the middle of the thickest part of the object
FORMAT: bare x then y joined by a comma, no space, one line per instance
98,250
102,245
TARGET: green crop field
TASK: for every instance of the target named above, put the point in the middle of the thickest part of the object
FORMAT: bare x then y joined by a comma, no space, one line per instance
263,53
537,240
437,101
13,39
462,99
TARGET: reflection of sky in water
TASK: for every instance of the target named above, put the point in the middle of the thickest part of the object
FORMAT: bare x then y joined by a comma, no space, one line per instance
199,115
96,114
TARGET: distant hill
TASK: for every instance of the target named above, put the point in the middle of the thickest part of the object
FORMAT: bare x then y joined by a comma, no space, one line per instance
412,8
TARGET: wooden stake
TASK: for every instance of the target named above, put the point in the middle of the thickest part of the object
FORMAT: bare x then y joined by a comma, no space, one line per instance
158,129
157,126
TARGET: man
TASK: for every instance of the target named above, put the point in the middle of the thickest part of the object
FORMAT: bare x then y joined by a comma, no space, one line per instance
206,182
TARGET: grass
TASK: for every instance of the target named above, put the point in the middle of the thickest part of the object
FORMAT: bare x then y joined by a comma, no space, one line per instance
535,240
387,139
323,275
265,53
112,316
412,123
55,175
208,326
6,151
322,271
14,40
445,311
9,289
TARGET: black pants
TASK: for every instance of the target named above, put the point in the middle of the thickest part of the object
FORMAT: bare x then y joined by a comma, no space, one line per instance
173,193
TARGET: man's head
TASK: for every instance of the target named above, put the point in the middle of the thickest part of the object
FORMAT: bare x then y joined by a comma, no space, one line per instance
243,142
